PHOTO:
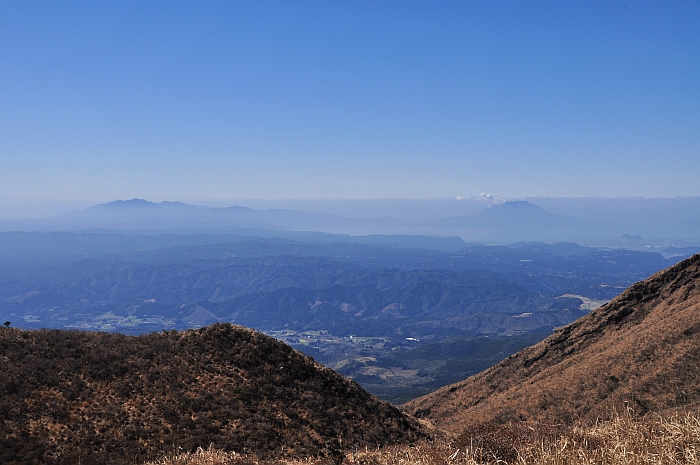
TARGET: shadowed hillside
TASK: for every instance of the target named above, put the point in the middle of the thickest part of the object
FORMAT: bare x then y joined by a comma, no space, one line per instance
641,350
70,397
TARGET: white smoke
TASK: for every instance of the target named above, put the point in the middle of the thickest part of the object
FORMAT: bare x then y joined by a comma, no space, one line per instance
484,197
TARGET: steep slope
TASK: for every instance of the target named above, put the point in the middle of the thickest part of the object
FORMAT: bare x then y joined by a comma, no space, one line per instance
70,397
641,350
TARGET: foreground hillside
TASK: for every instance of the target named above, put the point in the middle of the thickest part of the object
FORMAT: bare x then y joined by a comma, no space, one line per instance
620,441
641,350
70,397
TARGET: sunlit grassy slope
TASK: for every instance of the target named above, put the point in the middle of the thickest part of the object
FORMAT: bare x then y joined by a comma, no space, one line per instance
621,440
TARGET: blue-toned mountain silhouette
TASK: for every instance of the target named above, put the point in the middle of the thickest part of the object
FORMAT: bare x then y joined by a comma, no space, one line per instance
144,215
512,214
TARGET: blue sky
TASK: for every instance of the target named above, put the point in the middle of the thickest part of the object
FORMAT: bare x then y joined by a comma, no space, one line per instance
198,101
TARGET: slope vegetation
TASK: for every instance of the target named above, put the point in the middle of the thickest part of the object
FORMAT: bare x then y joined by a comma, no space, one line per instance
70,397
641,350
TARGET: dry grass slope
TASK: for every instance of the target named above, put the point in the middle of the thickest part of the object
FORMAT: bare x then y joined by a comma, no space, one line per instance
623,440
640,350
69,397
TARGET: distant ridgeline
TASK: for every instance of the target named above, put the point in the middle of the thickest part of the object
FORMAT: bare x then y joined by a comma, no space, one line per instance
69,397
499,221
136,284
420,305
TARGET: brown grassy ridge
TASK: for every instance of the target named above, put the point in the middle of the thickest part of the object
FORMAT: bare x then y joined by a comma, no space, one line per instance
69,397
641,350
623,440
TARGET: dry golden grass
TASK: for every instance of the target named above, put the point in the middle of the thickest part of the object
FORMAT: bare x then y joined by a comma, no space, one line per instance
621,441
641,349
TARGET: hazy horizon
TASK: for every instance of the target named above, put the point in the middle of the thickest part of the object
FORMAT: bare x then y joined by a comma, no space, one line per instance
399,208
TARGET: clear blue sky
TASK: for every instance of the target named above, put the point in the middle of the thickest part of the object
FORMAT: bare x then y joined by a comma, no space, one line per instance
206,100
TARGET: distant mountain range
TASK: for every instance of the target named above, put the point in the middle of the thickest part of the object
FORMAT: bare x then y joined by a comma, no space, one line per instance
139,214
641,350
517,214
508,221
135,283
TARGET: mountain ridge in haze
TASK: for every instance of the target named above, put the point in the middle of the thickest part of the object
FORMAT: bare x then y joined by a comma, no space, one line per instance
140,214
493,221
510,214
137,214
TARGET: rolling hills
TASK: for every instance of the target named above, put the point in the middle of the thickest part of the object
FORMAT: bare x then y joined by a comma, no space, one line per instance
641,350
69,397
393,297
